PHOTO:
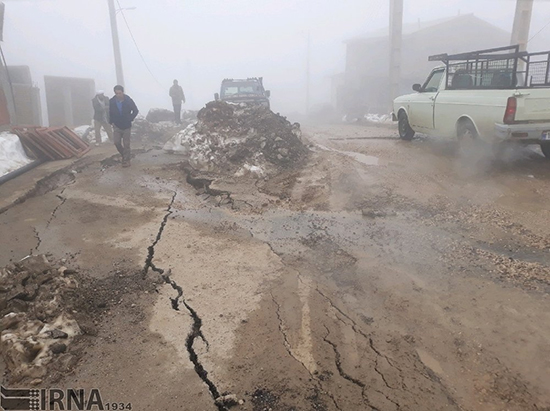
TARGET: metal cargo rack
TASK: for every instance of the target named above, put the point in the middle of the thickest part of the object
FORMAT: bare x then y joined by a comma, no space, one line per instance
497,68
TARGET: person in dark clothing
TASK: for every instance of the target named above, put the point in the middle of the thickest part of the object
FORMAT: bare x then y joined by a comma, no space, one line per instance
122,111
176,92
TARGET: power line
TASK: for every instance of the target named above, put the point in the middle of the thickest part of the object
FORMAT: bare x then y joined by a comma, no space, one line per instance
538,32
135,43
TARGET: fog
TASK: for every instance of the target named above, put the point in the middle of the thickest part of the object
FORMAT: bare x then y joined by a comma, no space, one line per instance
200,42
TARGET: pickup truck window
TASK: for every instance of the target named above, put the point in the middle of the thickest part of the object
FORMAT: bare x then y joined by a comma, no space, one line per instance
432,84
467,78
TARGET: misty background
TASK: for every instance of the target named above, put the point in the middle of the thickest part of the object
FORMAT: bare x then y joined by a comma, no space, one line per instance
200,42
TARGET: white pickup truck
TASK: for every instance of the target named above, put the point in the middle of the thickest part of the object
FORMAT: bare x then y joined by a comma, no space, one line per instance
497,95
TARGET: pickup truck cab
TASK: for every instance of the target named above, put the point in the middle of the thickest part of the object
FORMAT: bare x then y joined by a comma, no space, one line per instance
250,90
483,95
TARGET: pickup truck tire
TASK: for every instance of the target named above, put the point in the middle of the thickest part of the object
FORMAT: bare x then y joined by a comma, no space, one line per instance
466,132
469,144
545,147
405,130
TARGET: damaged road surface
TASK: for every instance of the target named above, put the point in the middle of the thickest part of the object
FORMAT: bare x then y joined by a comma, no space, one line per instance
376,275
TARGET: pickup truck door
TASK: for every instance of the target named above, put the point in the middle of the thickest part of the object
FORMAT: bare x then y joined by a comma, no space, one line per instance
421,109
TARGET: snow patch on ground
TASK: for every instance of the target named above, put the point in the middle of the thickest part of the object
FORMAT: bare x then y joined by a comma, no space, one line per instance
377,118
87,133
12,154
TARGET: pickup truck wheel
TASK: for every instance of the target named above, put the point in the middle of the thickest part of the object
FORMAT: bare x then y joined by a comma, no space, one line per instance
545,147
466,132
405,130
469,144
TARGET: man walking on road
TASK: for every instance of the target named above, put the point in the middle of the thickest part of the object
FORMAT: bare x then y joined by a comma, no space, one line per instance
176,92
122,111
101,116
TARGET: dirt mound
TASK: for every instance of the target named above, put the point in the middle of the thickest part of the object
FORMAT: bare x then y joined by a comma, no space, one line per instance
36,326
239,138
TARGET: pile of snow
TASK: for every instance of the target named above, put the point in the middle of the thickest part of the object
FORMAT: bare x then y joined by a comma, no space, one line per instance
369,117
12,154
87,133
241,138
377,118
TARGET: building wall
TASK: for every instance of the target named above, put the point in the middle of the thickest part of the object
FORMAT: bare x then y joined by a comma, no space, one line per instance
7,106
28,108
367,60
69,100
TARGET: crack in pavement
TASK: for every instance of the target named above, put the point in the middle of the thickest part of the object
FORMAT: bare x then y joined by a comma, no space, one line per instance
63,199
343,374
355,328
289,350
379,354
285,338
175,303
39,240
151,248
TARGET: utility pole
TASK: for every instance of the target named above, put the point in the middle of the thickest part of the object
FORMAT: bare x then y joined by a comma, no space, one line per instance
396,39
116,44
522,23
308,74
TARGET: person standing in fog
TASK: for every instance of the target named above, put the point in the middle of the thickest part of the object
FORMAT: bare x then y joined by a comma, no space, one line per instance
122,111
176,92
101,116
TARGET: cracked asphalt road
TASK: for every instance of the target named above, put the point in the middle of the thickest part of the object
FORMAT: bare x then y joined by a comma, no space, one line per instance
383,275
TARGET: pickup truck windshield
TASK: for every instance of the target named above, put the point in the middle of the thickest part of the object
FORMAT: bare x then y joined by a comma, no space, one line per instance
240,88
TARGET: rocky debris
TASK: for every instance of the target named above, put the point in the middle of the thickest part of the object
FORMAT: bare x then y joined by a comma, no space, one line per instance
55,334
263,399
160,132
156,115
34,316
58,348
159,115
374,213
229,400
239,138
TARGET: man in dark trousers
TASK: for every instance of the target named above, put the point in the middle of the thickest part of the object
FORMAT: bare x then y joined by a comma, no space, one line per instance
122,111
176,92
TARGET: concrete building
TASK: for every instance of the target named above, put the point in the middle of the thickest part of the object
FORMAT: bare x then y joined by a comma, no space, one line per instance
366,82
69,100
7,105
28,109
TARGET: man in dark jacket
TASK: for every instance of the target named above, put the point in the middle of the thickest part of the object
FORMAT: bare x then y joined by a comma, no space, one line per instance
176,92
122,111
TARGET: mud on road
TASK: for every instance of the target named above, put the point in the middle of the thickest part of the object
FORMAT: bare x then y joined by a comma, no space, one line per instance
380,275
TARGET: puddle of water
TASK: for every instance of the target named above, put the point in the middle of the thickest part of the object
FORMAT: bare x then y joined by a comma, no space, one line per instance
362,158
359,157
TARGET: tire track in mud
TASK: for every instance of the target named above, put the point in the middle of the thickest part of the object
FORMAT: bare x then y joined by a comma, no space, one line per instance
175,303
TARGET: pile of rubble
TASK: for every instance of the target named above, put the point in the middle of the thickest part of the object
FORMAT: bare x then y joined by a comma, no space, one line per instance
36,326
157,127
239,138
161,115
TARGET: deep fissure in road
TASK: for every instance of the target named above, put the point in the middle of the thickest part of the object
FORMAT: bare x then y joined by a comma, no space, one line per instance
175,303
